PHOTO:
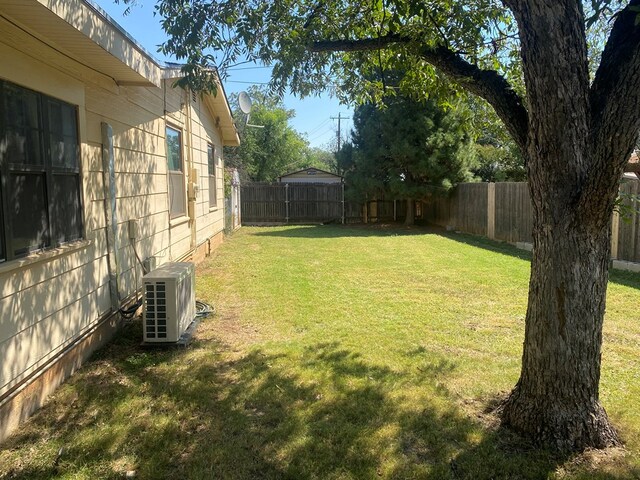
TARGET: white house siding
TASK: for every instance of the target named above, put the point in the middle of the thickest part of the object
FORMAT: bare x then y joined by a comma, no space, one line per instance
50,299
205,133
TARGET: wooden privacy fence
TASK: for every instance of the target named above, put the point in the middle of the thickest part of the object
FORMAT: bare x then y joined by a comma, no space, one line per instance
626,228
503,211
264,204
500,211
292,203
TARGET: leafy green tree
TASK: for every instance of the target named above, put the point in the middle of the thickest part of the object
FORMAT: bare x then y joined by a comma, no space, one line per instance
498,158
408,150
534,62
272,150
321,159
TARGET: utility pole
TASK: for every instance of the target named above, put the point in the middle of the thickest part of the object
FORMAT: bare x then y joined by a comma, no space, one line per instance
339,117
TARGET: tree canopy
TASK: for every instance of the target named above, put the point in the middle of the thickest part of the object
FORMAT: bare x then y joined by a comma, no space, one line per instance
406,149
497,157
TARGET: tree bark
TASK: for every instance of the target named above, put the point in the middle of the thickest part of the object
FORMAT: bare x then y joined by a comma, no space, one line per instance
409,219
556,399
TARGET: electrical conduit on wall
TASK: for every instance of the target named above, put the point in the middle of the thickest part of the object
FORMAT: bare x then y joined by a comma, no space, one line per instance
109,177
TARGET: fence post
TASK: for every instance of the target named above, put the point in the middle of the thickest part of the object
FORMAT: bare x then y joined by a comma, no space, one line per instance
286,202
343,205
491,211
615,233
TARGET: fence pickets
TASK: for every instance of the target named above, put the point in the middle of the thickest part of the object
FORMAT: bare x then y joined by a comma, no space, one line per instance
628,224
292,203
500,211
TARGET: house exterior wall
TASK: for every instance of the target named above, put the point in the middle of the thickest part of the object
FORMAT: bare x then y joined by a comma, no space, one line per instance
52,299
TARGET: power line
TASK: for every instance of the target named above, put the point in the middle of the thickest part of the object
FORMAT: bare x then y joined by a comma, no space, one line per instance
318,127
321,134
236,69
251,83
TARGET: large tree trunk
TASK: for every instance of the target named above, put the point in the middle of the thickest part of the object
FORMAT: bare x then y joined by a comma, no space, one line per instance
556,399
409,219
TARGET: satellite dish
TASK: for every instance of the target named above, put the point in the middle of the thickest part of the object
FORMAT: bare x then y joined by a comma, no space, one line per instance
245,102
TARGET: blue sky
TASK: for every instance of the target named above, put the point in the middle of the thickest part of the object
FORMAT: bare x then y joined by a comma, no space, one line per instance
312,114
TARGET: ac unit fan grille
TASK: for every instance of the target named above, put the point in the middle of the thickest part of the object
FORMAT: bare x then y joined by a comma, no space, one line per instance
156,310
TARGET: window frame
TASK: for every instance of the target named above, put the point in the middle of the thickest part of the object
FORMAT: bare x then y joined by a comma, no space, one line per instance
175,173
212,176
54,234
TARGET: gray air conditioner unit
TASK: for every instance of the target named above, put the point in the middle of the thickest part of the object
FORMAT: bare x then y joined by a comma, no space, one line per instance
169,302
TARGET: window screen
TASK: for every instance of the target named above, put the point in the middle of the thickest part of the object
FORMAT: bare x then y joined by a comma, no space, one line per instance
40,171
174,150
68,222
177,197
29,216
213,187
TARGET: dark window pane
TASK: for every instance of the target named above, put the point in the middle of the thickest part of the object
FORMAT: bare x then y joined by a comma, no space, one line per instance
211,159
22,109
28,207
64,152
174,150
55,117
177,202
40,146
63,135
213,193
22,134
67,216
23,147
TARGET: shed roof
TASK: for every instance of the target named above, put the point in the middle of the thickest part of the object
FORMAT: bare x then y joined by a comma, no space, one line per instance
311,169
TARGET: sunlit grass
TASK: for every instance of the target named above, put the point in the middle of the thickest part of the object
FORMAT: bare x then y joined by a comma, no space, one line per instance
335,353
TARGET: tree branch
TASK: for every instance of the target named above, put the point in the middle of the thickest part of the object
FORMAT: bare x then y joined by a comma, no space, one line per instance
365,44
487,84
615,100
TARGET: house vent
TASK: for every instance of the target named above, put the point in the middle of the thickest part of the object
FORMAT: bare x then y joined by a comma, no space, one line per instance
169,302
194,98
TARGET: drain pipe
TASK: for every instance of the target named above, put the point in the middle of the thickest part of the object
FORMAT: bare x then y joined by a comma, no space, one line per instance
191,171
109,178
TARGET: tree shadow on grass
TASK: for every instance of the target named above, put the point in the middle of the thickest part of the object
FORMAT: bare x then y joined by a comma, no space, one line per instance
202,413
620,277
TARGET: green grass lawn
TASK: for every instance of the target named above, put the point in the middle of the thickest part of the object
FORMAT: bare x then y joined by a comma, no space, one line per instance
335,353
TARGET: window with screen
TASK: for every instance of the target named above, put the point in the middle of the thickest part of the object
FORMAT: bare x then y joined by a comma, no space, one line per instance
177,194
213,187
39,172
